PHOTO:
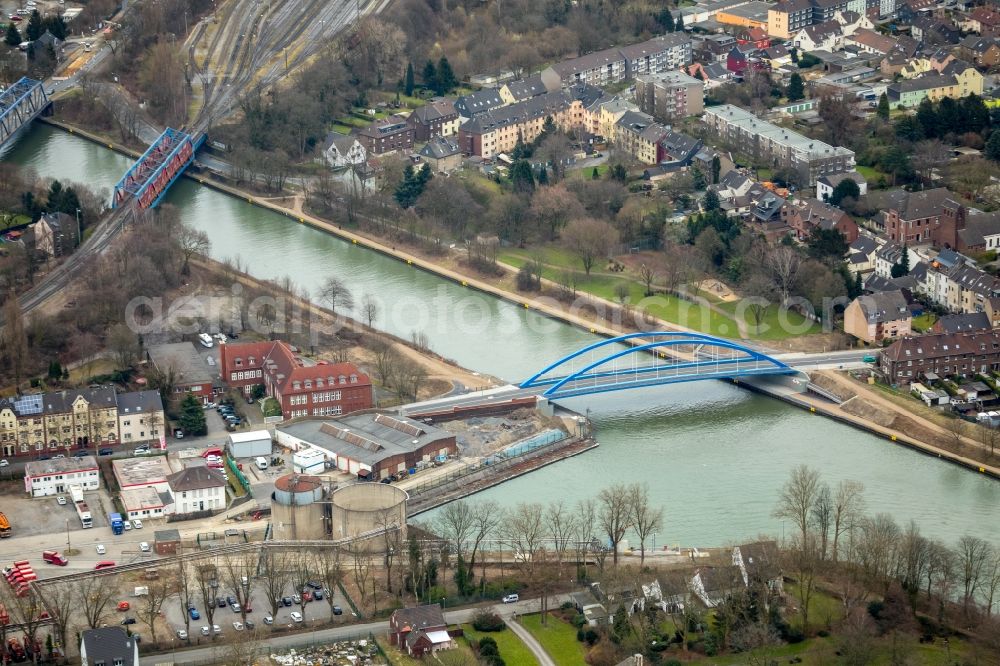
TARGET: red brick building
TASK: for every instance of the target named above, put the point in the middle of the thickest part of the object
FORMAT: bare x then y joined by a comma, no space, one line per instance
322,389
928,216
805,215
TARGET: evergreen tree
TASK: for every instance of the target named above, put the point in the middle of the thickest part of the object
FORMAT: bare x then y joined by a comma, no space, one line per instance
595,174
883,107
928,119
858,286
794,53
698,178
543,176
993,146
796,90
192,417
711,201
56,25
408,85
521,177
845,188
430,75
905,259
666,20
55,370
716,169
13,37
35,28
446,80
679,23
977,116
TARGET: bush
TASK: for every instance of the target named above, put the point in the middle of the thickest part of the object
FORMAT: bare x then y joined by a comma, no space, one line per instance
526,279
579,620
566,605
580,635
823,633
488,649
486,620
590,636
672,662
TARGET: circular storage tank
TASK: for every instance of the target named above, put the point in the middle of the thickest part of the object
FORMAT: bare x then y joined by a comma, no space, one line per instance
363,507
296,509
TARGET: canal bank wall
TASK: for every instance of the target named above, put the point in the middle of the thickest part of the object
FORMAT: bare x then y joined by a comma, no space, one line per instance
545,308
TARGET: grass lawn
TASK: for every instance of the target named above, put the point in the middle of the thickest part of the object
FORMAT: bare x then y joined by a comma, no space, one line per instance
871,174
765,174
512,649
924,322
824,609
341,129
772,327
587,173
354,121
558,638
8,220
669,308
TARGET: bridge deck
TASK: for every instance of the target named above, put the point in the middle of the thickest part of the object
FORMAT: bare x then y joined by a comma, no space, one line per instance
148,180
19,105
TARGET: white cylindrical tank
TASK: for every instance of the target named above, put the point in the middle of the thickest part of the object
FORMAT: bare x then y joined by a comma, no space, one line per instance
363,507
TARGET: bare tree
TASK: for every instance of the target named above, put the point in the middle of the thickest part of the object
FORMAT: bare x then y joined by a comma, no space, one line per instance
561,524
336,293
782,265
125,345
302,574
186,588
614,515
94,595
244,651
524,529
848,507
361,559
877,549
486,518
647,275
991,582
797,499
206,584
956,428
387,520
151,603
27,609
821,517
589,239
369,308
63,608
276,576
330,571
973,555
456,523
586,531
238,570
192,242
645,519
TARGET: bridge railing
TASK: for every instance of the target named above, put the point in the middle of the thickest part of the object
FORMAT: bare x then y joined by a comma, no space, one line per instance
19,105
153,173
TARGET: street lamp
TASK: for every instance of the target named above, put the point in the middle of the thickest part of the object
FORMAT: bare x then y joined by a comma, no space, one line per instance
79,236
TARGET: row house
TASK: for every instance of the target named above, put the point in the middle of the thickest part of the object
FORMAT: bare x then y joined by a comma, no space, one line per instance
604,113
984,20
928,216
614,65
869,41
776,146
806,215
670,96
438,118
984,51
78,419
638,134
877,317
302,389
388,135
948,354
518,91
481,101
956,80
499,131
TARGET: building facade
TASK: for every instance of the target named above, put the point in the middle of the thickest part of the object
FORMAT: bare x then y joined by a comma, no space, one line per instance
196,489
878,317
389,135
43,478
320,389
949,354
670,95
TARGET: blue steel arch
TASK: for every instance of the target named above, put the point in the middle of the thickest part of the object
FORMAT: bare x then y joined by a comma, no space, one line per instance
708,368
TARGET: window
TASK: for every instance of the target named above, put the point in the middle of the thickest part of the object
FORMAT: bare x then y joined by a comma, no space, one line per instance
239,362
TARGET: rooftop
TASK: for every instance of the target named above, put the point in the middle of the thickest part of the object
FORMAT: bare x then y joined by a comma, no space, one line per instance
144,498
189,365
811,148
141,471
36,468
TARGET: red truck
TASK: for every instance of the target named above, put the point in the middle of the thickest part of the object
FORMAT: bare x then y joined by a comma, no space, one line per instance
54,557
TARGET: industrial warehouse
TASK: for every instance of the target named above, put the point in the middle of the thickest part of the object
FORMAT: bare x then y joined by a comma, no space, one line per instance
373,446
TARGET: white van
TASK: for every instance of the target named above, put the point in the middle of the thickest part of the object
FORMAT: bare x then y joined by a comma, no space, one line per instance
205,339
261,463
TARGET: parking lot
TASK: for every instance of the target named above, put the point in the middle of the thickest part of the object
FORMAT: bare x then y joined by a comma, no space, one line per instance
224,616
43,515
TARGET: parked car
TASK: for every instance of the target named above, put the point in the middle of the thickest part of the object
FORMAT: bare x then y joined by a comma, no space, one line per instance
318,595
136,523
230,599
127,525
287,601
104,564
315,585
80,454
144,546
101,549
61,500
182,634
268,619
296,599
193,612
216,629
206,631
511,599
105,452
128,620
307,595
4,463
220,602
238,626
123,606
296,616
337,610
235,607
141,451
249,625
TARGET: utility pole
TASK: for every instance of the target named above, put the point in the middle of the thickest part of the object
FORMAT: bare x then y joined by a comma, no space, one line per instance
79,235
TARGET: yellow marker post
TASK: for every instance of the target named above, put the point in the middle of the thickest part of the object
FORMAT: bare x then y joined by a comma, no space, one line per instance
893,438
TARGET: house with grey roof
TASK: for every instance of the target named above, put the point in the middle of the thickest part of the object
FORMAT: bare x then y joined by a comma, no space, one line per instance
481,101
108,646
962,323
442,154
518,91
342,150
197,489
879,316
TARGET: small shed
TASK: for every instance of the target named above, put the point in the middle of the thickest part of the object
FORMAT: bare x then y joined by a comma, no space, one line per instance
166,542
249,444
309,460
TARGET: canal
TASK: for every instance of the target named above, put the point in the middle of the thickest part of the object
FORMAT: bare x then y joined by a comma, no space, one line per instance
715,456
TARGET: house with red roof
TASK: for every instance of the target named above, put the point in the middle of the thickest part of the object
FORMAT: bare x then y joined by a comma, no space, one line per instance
419,630
302,387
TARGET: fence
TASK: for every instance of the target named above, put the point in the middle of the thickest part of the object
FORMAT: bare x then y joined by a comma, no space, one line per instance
513,451
239,475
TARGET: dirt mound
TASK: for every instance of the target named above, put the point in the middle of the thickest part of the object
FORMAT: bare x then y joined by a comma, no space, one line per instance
828,383
908,427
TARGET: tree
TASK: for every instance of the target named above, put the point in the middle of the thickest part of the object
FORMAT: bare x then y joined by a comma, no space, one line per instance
522,178
412,186
192,242
711,202
275,577
993,146
827,244
192,417
698,178
796,90
973,555
445,80
14,350
647,275
151,603
845,188
645,519
666,19
429,75
798,496
238,570
93,596
125,345
848,507
409,84
615,515
186,588
13,36
206,583
589,239
35,29
336,293
716,169
330,571
882,110
679,23
369,308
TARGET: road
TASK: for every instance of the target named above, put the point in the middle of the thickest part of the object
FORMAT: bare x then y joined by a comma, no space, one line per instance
378,629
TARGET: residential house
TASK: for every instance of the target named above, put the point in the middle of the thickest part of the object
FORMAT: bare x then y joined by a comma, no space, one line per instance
638,134
605,112
851,22
341,150
971,322
197,488
826,184
740,58
869,41
141,419
442,154
888,255
915,68
933,30
946,355
481,101
776,56
713,74
861,254
733,184
981,232
678,148
759,564
670,95
787,17
927,216
520,90
776,146
908,11
601,68
419,630
806,215
826,36
388,135
878,317
713,585
755,37
902,52
984,51
59,421
108,646
660,54
437,118
984,20
320,389
713,48
191,369
55,234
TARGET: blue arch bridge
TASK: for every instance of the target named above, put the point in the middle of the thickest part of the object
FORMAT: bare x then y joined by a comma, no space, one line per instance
639,360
